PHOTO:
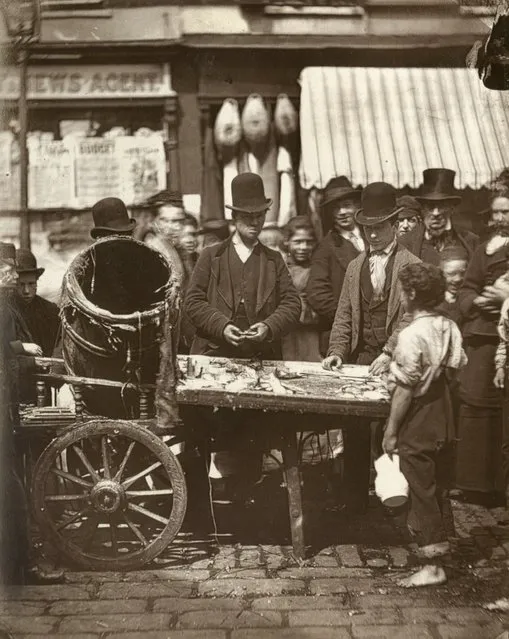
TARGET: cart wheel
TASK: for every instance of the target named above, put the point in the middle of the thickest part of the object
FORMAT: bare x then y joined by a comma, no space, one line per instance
117,501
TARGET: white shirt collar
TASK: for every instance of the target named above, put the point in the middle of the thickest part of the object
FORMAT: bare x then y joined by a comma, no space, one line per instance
237,240
244,252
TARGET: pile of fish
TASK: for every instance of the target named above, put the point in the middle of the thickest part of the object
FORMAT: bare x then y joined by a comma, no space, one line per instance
234,377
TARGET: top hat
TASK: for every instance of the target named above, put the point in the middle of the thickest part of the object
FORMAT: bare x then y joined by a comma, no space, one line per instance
339,188
409,206
248,195
7,251
26,263
110,214
437,186
378,204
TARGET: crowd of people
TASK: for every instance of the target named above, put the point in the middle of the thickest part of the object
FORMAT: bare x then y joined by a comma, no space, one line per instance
394,284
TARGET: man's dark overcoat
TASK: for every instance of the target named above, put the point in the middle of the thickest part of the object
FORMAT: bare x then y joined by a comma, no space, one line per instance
414,241
210,304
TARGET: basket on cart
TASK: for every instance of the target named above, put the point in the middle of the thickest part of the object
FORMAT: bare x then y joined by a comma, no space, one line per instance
108,492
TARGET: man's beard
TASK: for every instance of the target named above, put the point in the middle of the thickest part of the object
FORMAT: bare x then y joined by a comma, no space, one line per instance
498,228
437,232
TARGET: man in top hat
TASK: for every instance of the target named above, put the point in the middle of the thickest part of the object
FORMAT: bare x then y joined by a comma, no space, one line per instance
41,316
409,216
438,201
369,313
337,249
111,218
241,299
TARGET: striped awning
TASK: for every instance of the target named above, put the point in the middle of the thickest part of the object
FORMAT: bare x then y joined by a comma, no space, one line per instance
387,124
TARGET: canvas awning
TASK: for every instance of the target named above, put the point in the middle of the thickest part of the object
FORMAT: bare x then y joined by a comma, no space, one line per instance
388,124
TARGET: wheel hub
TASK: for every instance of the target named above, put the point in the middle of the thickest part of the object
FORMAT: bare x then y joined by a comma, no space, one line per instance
107,496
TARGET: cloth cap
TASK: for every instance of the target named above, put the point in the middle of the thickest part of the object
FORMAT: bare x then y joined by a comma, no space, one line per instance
409,206
339,188
7,251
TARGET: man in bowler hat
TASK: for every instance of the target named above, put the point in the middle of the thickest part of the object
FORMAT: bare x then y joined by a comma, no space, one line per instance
242,301
337,249
438,202
369,313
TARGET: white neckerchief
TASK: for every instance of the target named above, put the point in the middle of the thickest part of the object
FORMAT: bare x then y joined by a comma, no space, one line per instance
244,252
377,263
448,227
354,236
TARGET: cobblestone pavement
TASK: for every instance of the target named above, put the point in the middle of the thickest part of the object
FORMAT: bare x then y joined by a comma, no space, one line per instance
242,590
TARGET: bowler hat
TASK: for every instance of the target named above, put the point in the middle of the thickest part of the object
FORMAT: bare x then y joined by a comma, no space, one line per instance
110,214
438,185
248,194
26,263
339,188
7,251
409,206
378,204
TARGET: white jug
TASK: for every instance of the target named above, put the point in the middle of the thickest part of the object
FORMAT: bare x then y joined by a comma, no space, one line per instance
391,486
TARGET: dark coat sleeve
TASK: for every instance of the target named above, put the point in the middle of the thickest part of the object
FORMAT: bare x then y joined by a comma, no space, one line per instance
341,334
473,284
287,314
412,240
319,290
208,321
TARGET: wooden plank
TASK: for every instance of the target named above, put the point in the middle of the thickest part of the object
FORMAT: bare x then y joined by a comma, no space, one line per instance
292,478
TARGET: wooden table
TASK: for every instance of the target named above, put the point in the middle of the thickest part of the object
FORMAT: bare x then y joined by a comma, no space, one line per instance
317,394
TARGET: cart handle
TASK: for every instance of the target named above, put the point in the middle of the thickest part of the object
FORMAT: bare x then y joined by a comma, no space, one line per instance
87,381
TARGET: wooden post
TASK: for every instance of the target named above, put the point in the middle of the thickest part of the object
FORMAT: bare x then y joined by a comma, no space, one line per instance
78,401
171,144
292,479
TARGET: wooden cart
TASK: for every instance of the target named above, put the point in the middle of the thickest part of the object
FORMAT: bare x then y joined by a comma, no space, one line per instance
111,494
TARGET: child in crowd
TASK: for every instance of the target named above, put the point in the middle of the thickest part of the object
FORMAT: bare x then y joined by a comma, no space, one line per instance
299,241
188,243
420,427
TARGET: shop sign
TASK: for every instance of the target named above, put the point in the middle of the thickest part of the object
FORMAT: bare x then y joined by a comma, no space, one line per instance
75,82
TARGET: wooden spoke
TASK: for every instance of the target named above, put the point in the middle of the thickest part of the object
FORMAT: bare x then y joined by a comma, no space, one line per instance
78,497
149,493
113,536
148,513
72,478
86,463
122,466
70,520
135,530
105,457
130,481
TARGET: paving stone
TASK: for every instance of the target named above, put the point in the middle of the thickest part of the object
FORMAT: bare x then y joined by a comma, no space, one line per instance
327,587
115,623
301,603
229,619
250,558
87,635
98,607
391,632
171,634
377,562
243,587
177,604
342,617
242,573
326,562
458,615
144,590
29,609
44,593
19,624
471,631
179,574
399,557
305,572
380,601
349,555
291,633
